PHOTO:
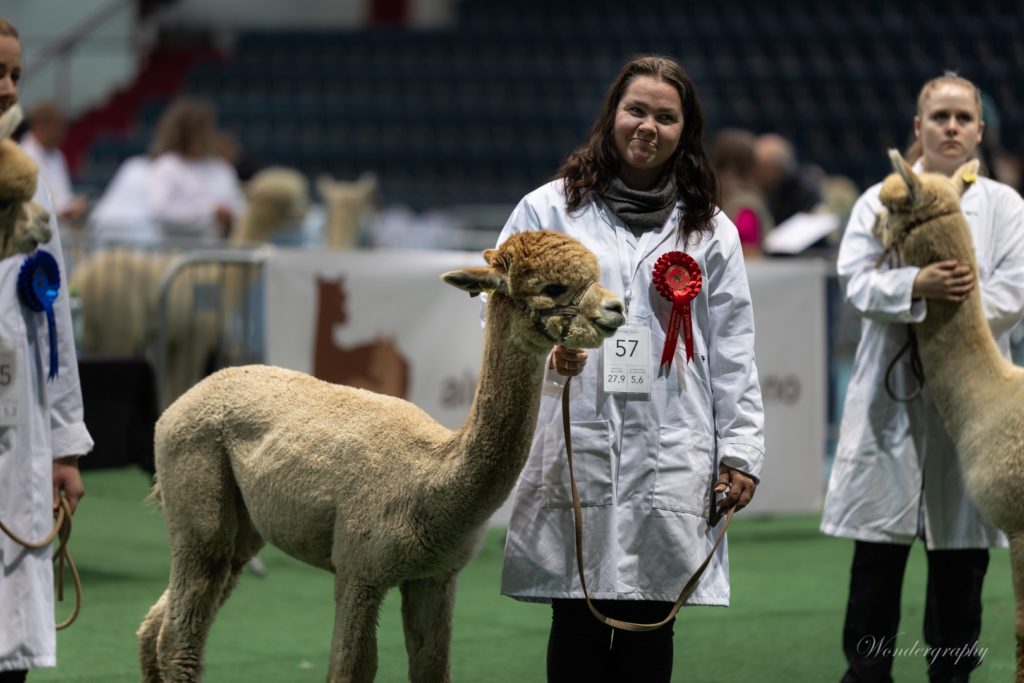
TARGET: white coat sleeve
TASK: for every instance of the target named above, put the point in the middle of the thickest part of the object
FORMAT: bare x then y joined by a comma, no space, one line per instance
739,412
884,295
68,433
1002,292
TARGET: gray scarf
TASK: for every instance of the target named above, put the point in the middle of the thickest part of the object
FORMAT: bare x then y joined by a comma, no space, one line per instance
641,210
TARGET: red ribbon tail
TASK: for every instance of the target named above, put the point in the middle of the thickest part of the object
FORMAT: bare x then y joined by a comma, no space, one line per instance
688,331
680,310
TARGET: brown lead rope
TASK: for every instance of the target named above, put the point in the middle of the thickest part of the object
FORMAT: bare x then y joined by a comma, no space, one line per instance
62,532
578,517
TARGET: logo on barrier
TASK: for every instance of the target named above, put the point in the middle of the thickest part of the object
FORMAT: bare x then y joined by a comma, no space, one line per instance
781,389
378,366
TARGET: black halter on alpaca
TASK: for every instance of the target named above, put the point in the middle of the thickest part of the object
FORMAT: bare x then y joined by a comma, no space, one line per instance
567,313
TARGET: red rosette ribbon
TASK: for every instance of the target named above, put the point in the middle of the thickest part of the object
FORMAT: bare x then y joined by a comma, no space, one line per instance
678,278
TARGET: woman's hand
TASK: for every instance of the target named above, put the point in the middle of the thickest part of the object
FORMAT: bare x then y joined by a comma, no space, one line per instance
568,362
948,280
738,488
67,479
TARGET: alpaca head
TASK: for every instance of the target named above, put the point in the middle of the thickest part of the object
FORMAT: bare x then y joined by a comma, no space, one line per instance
23,223
553,281
922,219
282,193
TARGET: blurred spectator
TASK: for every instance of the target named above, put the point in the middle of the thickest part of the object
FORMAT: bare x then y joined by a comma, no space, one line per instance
45,134
122,212
787,187
732,157
193,191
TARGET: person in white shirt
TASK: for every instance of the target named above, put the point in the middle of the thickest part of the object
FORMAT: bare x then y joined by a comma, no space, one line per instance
39,449
896,477
193,192
46,131
638,192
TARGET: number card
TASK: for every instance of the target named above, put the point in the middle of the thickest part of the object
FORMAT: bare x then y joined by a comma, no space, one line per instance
627,361
12,392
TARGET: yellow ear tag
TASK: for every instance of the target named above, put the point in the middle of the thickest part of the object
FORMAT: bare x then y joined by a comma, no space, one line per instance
489,292
970,178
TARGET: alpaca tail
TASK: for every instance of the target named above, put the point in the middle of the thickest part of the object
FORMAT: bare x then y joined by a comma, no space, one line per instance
1017,570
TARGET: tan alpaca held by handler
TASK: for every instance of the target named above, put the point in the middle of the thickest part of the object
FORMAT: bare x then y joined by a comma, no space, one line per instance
978,392
366,486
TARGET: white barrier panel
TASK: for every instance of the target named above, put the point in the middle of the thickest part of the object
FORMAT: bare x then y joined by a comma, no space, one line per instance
790,331
385,321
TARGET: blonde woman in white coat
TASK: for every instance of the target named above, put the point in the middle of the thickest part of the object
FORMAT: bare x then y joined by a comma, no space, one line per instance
646,465
896,476
38,453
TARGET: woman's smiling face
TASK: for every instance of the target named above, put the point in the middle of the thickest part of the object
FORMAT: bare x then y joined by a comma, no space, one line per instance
648,127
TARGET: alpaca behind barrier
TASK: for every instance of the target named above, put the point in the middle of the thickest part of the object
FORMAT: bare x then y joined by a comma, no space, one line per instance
978,392
365,486
119,288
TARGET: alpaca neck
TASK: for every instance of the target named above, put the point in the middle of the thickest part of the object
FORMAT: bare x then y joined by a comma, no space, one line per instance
255,226
492,446
962,363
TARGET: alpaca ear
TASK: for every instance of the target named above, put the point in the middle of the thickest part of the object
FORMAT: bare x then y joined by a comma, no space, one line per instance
966,176
476,280
9,121
899,165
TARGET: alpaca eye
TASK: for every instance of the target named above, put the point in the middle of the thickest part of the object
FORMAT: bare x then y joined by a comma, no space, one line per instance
554,291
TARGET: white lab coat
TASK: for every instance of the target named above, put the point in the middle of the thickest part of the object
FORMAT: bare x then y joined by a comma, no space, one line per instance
645,468
183,194
53,427
122,213
53,167
896,474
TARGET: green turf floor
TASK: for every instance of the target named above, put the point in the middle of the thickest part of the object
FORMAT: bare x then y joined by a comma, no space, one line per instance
789,589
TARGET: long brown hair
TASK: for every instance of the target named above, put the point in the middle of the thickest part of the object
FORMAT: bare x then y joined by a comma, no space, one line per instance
188,127
916,149
594,163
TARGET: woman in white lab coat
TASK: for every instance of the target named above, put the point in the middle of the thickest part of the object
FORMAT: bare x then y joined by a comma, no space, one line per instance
647,463
194,193
38,447
895,476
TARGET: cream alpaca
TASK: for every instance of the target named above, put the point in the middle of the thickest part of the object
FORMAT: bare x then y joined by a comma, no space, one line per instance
23,223
978,393
346,202
365,486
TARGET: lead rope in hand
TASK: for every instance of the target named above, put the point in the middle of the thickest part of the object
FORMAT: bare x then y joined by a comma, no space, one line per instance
577,513
62,532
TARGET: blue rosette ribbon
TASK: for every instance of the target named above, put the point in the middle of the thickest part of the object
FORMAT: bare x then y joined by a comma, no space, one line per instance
38,286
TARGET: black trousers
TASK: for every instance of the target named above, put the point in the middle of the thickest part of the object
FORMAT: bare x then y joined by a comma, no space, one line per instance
12,676
952,616
581,648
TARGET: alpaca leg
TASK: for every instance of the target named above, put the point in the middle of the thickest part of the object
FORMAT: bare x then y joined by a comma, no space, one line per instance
148,633
427,619
198,584
354,645
202,509
1017,570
